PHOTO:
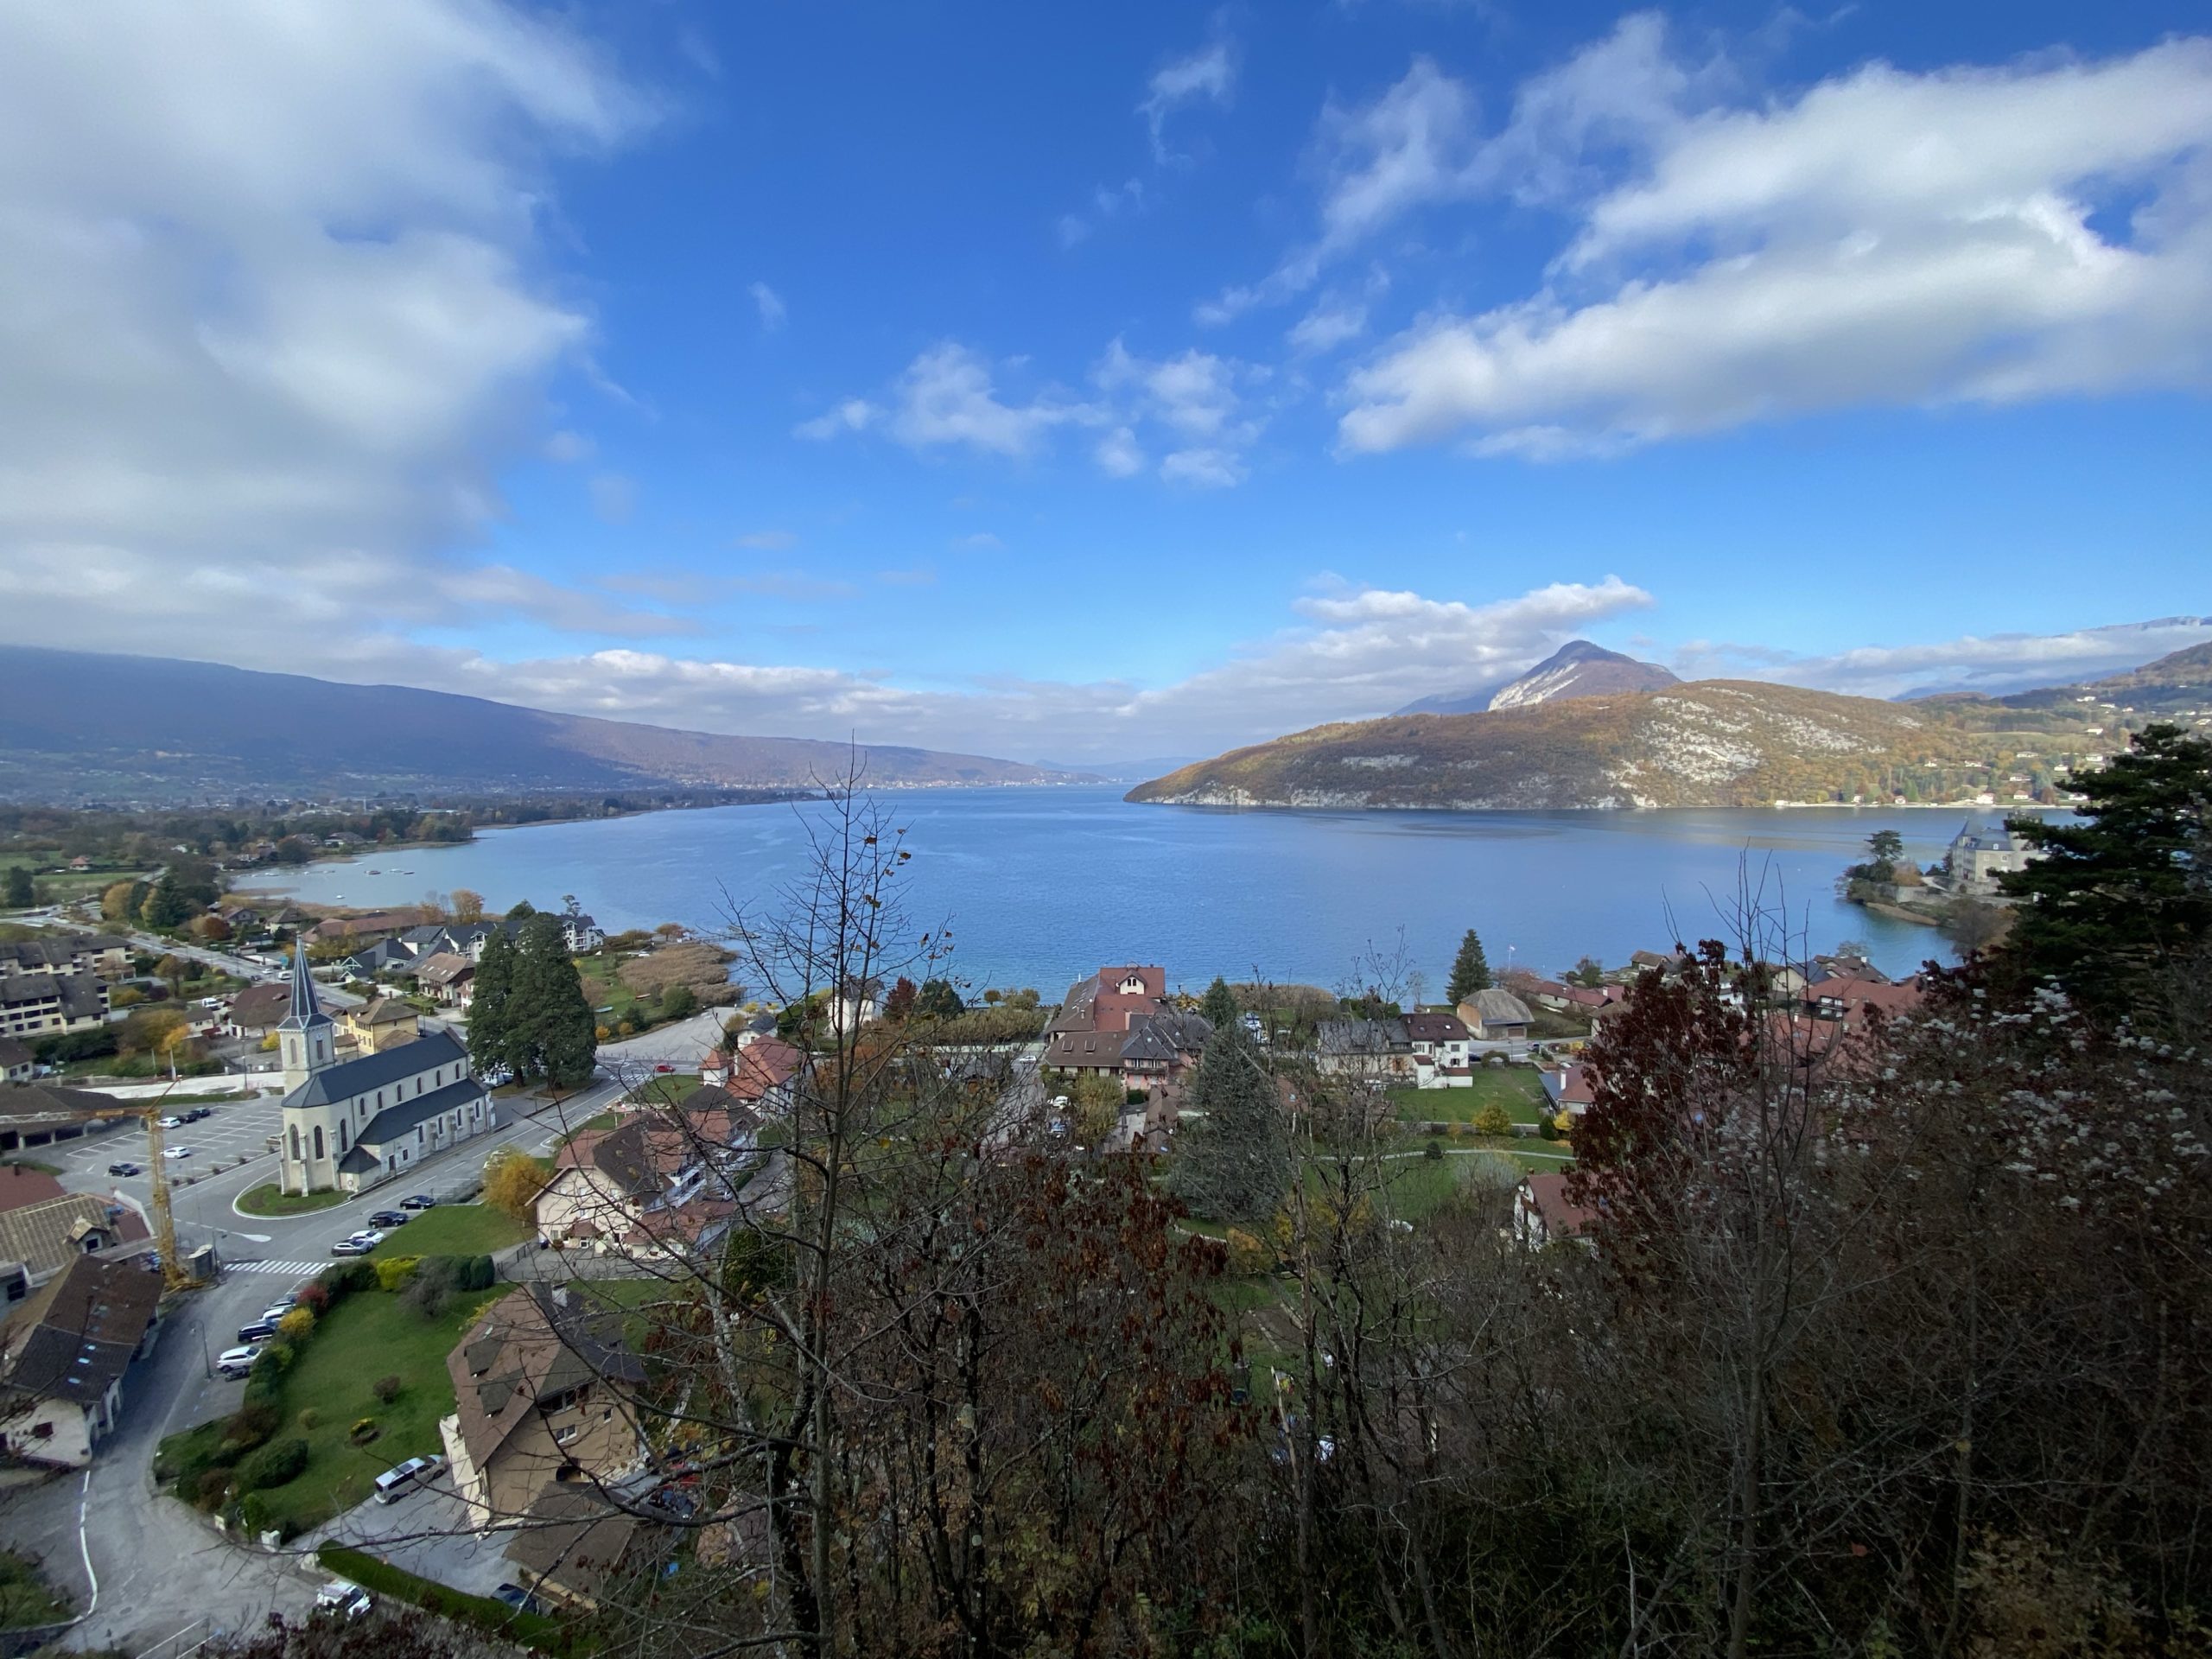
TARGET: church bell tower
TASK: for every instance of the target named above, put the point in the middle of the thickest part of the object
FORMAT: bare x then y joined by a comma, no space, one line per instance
305,1038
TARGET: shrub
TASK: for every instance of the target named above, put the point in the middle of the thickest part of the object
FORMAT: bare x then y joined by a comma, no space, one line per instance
1548,1129
625,1028
250,1425
1248,1254
427,1297
478,1272
1436,1129
310,1418
275,1464
1493,1119
393,1273
387,1388
296,1325
364,1431
603,1033
210,1488
1434,1150
1137,1096
315,1298
342,1278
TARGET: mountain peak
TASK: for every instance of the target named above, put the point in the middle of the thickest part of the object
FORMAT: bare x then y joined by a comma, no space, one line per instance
1578,669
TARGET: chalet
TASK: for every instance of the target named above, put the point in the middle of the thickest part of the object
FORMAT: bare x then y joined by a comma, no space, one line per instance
449,977
539,1394
1542,1214
364,929
63,1356
1854,1002
662,1182
1439,1042
1375,1048
1496,1016
763,1075
384,956
257,1010
571,1543
1119,1020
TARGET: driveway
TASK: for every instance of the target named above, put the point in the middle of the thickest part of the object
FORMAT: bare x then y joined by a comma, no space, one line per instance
427,1534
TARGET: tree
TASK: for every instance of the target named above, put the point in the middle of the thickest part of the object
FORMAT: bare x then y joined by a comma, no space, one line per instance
167,905
1493,1119
1469,970
679,1002
490,1010
1974,925
937,999
1233,1154
120,902
513,1180
295,849
467,906
1096,1101
2120,900
23,892
1884,848
554,1034
900,1002
521,910
1587,972
1220,1005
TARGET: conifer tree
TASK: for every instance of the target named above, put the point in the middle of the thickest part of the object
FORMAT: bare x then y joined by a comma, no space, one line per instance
490,1007
555,1035
1220,1005
1469,970
1233,1154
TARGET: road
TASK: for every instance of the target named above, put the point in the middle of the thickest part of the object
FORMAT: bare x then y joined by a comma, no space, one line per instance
159,1566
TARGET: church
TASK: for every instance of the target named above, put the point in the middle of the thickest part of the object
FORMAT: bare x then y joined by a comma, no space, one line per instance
353,1124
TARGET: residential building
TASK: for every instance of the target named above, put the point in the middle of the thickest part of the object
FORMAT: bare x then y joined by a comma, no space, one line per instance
16,1062
44,1003
1567,1089
573,1541
854,1003
102,954
64,1352
352,1124
1375,1048
662,1182
259,1010
380,1023
539,1385
1119,1020
763,1074
384,956
46,1234
1439,1047
1854,1002
364,929
1543,1215
449,977
1978,857
1496,1016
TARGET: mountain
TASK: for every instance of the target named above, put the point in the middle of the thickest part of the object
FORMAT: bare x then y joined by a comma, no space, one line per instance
76,725
1577,669
1121,772
2113,648
1708,743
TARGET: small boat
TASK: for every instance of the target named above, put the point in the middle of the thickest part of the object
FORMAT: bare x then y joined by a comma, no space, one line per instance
374,871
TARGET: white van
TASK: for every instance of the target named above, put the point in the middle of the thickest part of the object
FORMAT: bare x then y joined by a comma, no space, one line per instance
396,1482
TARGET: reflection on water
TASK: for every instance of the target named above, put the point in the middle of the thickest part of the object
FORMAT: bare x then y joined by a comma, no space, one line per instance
1040,887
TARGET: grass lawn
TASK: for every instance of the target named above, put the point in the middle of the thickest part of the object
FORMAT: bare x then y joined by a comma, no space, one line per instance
1516,1088
268,1199
26,1599
452,1230
610,999
367,1336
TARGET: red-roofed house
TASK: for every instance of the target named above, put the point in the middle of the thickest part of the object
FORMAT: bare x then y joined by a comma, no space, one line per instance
1543,1215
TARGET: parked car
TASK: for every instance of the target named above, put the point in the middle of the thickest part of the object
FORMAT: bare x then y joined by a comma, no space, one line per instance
197,1113
663,1066
418,1201
403,1478
519,1598
277,1311
369,1237
172,1122
343,1598
389,1218
123,1169
176,1152
259,1330
351,1247
234,1363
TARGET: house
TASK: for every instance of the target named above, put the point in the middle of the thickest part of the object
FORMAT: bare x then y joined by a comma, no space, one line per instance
571,1542
1439,1047
1978,857
854,1003
1542,1214
351,1124
364,929
384,956
257,1010
1854,1002
663,1181
41,1004
1569,1090
67,953
1666,964
63,1355
16,1062
763,1074
20,1185
1363,1047
742,1031
1119,1020
449,977
1563,998
46,1234
539,1384
381,1023
1496,1016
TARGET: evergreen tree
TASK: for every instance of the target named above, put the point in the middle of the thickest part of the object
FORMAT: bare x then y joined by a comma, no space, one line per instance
1470,971
556,1036
936,1000
2119,896
1233,1159
1220,1006
22,895
490,1007
166,906
901,1003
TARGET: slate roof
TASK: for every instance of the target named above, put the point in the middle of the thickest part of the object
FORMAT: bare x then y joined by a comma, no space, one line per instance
384,1011
368,1072
1349,1037
528,1347
259,1006
1162,1037
51,1101
74,1338
44,1237
20,1186
443,968
305,1010
13,1053
388,1125
573,1538
1436,1028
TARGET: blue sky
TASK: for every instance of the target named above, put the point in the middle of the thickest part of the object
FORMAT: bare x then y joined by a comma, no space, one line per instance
1101,382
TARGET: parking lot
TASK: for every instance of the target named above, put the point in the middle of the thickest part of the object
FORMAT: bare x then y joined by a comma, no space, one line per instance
427,1533
234,1130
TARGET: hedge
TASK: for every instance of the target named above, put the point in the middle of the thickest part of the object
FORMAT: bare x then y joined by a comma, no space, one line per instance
273,1465
537,1630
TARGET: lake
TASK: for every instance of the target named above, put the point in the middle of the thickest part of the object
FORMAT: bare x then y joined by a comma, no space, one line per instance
1042,885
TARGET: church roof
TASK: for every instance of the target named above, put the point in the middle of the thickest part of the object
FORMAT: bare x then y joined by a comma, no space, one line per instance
305,1010
379,1070
394,1121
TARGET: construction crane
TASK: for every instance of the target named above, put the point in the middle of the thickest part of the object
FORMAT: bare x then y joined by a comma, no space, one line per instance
173,1276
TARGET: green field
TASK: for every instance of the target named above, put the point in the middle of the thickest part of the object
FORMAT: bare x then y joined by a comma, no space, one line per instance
452,1230
1516,1088
269,1200
369,1335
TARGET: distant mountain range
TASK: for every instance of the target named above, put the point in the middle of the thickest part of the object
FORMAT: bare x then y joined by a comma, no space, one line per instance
77,725
1577,669
1704,743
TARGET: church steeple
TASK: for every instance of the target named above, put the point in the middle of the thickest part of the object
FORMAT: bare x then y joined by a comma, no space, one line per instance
305,1038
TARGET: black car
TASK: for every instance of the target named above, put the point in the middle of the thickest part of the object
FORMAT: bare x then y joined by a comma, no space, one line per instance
123,1169
199,1112
418,1201
519,1598
388,1219
259,1331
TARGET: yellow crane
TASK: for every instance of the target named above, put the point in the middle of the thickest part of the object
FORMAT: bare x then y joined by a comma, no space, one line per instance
173,1274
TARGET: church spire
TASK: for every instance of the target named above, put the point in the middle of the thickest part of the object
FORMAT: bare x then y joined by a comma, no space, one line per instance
306,1011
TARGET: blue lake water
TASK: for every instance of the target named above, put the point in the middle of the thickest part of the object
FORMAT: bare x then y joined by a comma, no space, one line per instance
1042,885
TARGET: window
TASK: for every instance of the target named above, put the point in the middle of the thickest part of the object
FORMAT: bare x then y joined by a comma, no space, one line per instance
318,1141
418,1134
565,1434
342,1143
379,1100
295,1143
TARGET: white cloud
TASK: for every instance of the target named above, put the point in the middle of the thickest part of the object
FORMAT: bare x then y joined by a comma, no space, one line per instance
1994,664
1326,328
773,541
1195,396
1972,235
1204,469
1208,74
1107,202
980,541
770,304
1118,454
613,498
271,317
567,449
947,397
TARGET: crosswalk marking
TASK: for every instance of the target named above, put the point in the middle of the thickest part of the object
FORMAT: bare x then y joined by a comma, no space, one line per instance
276,1267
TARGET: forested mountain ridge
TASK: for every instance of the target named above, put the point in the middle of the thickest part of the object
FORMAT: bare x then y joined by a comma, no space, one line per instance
1709,743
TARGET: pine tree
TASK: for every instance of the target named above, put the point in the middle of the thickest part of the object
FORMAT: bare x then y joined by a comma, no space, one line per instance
556,1036
1470,971
1233,1157
1220,1005
490,1007
21,895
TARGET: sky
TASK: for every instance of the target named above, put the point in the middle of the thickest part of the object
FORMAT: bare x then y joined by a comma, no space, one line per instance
1087,382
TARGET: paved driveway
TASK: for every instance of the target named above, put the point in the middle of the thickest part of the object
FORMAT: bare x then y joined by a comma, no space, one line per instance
426,1533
